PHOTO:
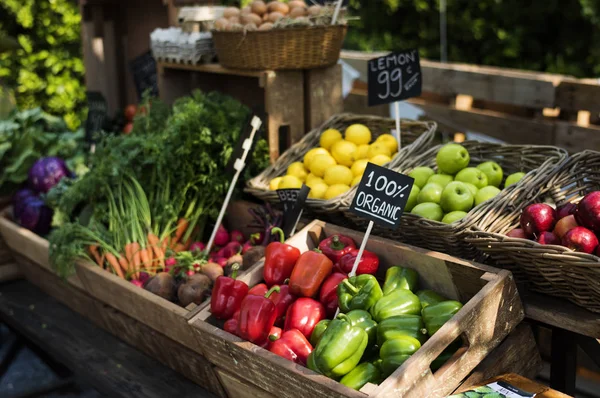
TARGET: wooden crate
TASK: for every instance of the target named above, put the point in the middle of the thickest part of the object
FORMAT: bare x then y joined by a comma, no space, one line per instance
492,309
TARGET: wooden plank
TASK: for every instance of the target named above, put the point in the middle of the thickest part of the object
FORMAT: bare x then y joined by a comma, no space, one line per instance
238,388
358,104
323,95
578,95
103,361
9,271
577,138
210,68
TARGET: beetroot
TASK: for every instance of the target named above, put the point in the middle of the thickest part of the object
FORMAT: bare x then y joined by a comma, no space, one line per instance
237,236
137,282
222,261
197,247
144,276
222,236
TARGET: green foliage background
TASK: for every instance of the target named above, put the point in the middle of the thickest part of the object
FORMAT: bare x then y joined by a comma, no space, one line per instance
48,69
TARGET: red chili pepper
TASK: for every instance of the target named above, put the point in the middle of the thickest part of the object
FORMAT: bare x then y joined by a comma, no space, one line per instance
282,300
257,316
292,345
309,273
231,324
280,260
258,290
227,295
328,294
304,315
336,246
368,264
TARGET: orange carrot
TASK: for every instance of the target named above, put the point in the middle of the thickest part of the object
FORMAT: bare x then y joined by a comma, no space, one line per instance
182,225
146,257
96,254
114,263
165,244
187,243
137,259
159,255
179,247
129,253
124,263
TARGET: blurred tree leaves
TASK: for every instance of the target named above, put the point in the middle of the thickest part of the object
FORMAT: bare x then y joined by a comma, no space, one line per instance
47,70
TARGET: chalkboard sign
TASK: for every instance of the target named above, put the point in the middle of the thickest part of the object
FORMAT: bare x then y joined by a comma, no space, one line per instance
394,77
382,195
97,114
145,76
293,202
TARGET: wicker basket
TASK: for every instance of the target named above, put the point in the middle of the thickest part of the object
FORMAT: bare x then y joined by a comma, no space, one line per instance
290,48
554,270
418,136
537,161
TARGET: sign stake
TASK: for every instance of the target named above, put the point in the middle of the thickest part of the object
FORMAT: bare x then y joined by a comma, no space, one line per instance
238,166
398,134
336,13
361,250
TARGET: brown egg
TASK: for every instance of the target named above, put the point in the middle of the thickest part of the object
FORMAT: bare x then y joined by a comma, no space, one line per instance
221,24
231,12
265,17
250,27
296,3
297,12
266,26
271,4
246,10
251,18
233,20
279,7
275,16
314,10
258,7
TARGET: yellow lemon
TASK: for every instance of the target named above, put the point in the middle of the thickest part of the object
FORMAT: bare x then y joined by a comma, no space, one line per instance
290,182
311,179
358,168
344,152
338,175
362,151
335,190
274,184
358,134
297,169
310,155
378,148
380,160
320,164
356,180
329,137
317,191
389,141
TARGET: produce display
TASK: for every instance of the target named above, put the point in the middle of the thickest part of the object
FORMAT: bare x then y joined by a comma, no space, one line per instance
575,226
338,163
263,16
293,313
450,193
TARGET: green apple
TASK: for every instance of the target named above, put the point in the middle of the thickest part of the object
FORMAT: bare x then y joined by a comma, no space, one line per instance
421,175
472,188
456,197
486,193
442,179
452,158
431,192
472,175
453,216
513,178
412,198
493,171
432,211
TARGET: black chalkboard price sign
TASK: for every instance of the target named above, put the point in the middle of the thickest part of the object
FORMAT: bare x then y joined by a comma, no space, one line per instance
293,201
394,77
382,195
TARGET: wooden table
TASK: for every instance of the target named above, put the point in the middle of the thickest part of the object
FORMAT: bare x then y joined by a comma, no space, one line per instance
95,356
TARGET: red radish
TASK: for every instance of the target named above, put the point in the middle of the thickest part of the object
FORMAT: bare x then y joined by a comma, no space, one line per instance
231,249
548,238
190,272
564,225
247,246
137,282
222,236
580,239
130,112
257,238
517,233
237,236
565,210
128,128
538,218
170,263
197,247
222,261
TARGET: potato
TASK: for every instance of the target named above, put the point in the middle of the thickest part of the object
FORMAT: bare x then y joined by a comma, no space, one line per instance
246,10
251,18
222,24
163,285
231,12
258,7
275,16
315,10
297,12
195,290
212,270
265,26
296,4
279,7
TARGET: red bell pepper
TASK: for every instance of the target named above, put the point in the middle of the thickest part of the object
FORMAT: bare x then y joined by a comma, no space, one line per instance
257,317
309,273
280,260
328,294
282,300
292,345
258,290
227,295
274,334
336,246
368,264
304,315
231,324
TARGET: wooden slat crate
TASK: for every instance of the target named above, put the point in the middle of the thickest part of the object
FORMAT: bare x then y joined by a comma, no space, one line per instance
492,309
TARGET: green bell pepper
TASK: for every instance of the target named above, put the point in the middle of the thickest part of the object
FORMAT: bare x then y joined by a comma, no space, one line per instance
398,302
396,351
429,297
340,348
360,292
318,331
363,320
436,315
407,325
400,278
361,375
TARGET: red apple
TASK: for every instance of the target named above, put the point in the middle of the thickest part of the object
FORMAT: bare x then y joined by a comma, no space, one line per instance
548,238
564,225
517,233
580,239
565,210
538,218
588,211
